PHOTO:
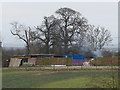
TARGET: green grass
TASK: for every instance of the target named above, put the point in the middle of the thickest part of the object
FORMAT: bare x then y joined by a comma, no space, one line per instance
58,79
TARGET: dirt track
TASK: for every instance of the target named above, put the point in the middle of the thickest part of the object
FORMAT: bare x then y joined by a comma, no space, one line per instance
64,68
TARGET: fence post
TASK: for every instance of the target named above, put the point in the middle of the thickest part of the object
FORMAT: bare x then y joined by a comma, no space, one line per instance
54,67
66,62
43,64
67,65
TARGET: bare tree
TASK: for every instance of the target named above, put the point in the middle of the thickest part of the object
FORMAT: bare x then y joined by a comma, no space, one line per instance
56,41
45,32
37,47
24,33
62,33
98,37
71,22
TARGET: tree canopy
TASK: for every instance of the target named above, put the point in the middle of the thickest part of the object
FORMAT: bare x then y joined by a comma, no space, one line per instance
65,32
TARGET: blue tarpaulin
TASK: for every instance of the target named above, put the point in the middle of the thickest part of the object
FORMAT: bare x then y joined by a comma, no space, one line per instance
75,57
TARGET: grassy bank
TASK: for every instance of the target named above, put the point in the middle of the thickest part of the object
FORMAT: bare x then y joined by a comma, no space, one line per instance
59,79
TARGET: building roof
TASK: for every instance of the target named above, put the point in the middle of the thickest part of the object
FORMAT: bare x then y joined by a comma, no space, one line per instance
40,54
33,55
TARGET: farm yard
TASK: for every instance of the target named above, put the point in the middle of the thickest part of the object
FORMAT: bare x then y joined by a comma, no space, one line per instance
46,74
59,79
54,72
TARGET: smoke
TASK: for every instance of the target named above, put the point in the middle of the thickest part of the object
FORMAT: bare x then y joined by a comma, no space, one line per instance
86,48
97,53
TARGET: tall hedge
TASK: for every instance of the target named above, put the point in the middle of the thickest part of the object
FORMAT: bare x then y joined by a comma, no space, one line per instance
105,61
53,61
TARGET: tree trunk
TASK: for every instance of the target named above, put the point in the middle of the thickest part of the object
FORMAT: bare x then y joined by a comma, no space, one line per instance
65,48
47,48
28,48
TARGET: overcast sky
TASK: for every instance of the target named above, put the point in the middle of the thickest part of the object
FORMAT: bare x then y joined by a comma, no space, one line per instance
97,13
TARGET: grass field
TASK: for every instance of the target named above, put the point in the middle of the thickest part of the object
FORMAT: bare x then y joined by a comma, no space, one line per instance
59,79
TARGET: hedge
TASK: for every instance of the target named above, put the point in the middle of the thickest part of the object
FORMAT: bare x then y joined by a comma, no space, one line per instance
105,61
53,61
